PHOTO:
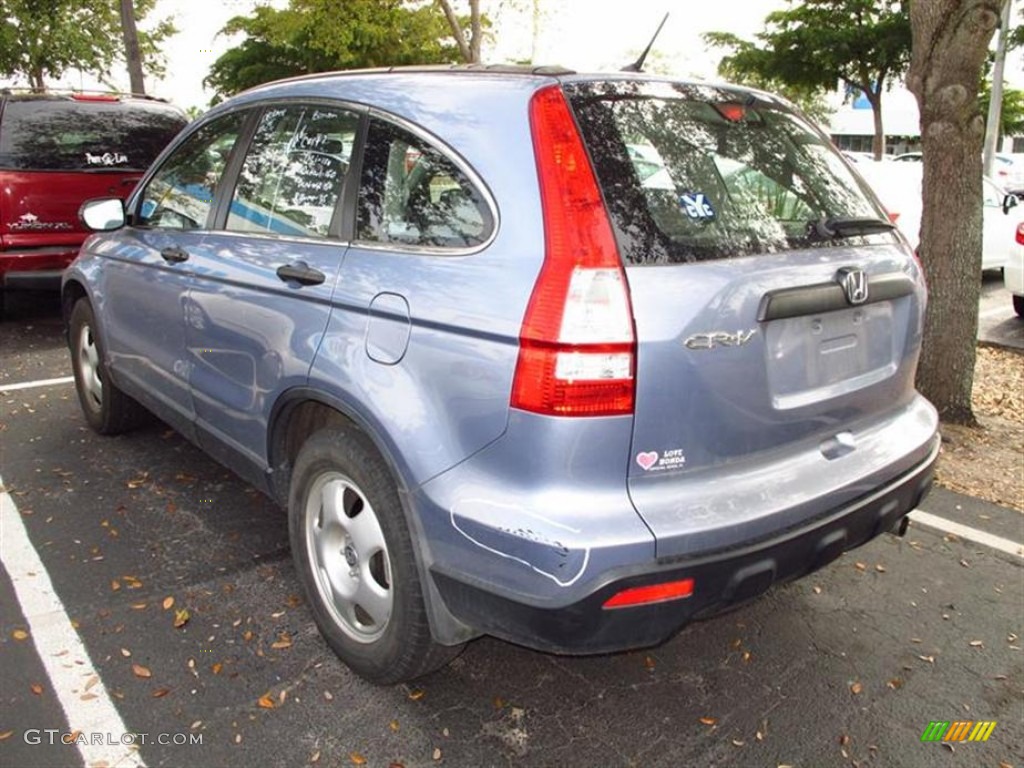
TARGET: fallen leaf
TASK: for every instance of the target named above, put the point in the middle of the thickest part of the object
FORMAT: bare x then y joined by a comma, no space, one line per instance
417,694
709,720
965,564
168,603
817,590
283,641
138,606
138,481
293,601
37,689
115,585
880,568
393,725
860,566
328,696
217,668
856,688
1004,764
19,634
499,703
159,693
314,757
917,640
977,644
6,735
896,683
437,753
91,682
356,758
238,738
247,635
649,663
141,671
266,702
738,742
181,618
746,656
929,659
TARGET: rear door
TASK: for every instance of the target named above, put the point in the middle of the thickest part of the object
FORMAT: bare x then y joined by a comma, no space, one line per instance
56,153
261,295
748,245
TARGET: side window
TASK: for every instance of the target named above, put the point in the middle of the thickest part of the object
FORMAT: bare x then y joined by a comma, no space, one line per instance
180,194
412,194
292,175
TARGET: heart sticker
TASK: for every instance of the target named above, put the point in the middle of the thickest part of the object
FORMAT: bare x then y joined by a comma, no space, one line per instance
647,460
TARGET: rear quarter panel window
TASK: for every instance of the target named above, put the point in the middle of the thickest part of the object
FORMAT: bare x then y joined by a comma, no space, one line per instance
64,135
412,194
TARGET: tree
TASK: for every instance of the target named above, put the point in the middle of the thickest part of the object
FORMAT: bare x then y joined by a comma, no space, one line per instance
321,35
1011,117
810,100
132,53
815,44
950,44
44,38
470,49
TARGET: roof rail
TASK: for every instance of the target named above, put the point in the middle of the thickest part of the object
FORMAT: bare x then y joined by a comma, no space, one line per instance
11,90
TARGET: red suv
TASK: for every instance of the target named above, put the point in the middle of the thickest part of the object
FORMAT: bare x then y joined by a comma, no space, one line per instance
56,151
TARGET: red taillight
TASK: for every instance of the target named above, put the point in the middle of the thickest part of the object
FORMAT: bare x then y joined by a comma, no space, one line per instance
655,593
577,350
1020,233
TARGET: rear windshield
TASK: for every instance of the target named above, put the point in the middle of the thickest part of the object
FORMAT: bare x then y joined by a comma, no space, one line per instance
693,173
59,135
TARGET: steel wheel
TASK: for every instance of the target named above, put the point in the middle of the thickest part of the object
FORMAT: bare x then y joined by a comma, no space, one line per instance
89,366
349,557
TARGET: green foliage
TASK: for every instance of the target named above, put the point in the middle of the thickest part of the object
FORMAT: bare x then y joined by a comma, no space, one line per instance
324,35
814,44
1011,122
42,39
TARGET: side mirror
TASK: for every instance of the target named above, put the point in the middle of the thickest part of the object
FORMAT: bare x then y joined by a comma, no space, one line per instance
103,214
1010,201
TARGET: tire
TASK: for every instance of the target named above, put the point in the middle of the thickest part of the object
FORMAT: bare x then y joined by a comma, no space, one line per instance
107,409
1018,305
355,559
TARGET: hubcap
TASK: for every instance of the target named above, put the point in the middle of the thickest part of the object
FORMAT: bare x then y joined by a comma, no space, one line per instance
89,367
349,557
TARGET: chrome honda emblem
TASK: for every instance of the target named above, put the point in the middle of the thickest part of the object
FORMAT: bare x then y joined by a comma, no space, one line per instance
854,283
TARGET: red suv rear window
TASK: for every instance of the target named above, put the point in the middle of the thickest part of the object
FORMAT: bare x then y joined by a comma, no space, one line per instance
49,134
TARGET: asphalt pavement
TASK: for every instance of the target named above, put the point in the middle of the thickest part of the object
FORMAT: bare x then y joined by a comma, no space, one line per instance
845,667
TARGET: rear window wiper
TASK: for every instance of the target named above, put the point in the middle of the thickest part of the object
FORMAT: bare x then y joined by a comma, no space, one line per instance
847,226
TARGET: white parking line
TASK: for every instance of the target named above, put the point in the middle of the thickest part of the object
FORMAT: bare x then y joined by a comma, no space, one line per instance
38,383
67,663
984,538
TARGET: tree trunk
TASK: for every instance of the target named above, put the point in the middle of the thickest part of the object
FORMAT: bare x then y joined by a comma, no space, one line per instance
456,28
878,142
475,32
35,80
950,42
131,47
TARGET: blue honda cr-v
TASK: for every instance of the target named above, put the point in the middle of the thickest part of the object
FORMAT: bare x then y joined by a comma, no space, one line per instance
566,359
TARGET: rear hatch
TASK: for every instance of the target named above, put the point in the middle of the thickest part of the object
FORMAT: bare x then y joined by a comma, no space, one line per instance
56,152
777,311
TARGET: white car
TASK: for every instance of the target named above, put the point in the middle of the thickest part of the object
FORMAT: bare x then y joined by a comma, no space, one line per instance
898,186
1013,272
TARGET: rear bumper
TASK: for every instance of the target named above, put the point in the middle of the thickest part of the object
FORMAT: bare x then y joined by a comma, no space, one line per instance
721,579
37,268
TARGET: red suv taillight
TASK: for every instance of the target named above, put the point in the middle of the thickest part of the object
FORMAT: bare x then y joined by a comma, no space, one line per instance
577,350
1020,233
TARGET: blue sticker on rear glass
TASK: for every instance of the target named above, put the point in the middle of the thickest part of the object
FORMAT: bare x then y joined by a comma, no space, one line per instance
696,206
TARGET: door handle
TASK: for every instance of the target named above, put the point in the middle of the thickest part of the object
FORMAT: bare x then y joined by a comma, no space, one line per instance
174,254
300,272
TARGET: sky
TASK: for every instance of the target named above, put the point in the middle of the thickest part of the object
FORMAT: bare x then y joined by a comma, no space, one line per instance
579,34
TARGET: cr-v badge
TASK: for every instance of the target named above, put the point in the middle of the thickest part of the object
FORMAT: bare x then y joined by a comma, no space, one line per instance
714,339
